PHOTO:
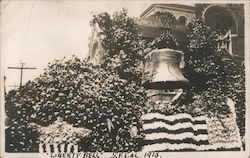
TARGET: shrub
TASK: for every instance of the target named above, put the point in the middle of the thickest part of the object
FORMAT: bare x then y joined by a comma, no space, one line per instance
19,136
216,76
84,95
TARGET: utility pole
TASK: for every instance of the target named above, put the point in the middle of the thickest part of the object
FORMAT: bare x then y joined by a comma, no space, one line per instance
22,68
4,84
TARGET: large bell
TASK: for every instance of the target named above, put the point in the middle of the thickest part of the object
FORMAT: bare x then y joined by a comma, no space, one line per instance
164,69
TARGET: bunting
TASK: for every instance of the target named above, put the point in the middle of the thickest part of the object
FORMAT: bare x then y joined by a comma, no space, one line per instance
180,132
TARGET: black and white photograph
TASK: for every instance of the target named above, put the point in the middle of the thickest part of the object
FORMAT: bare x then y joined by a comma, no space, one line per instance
124,79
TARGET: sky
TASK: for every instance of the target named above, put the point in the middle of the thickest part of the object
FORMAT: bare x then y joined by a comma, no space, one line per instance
37,32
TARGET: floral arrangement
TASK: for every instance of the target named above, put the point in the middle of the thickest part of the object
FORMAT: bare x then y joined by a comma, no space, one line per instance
215,77
164,41
60,132
83,95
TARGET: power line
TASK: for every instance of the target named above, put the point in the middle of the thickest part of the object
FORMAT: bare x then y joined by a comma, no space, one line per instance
14,85
22,68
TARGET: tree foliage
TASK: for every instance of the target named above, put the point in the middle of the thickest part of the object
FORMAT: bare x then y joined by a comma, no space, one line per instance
215,74
84,95
121,43
202,39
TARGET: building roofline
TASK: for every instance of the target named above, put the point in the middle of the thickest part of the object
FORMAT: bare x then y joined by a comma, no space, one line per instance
186,7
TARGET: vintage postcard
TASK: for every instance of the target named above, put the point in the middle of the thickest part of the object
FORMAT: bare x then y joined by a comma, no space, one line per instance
124,79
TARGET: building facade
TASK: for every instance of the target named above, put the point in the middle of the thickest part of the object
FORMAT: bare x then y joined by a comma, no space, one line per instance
228,19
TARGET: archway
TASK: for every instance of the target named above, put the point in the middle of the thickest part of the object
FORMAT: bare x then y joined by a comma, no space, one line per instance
220,19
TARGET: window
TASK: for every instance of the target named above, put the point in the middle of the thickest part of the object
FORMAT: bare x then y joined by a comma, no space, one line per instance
182,20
